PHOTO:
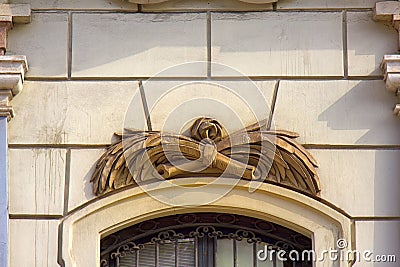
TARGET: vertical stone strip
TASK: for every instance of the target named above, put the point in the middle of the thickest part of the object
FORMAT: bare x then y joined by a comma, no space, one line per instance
12,73
3,193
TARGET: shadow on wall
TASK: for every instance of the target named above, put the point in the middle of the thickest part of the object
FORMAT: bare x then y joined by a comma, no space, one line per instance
367,106
387,185
386,242
88,188
368,41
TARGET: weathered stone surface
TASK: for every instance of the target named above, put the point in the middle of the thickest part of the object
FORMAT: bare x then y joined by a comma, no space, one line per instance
137,45
360,182
83,163
72,112
337,112
325,4
174,105
278,44
43,42
36,181
368,42
380,238
78,4
199,5
33,243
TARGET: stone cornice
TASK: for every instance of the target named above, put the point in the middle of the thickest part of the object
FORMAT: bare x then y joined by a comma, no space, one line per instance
9,14
12,73
386,10
397,110
390,11
5,109
12,68
391,72
391,75
20,13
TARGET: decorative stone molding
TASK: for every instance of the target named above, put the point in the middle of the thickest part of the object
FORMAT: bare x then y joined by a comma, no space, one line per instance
145,2
9,14
391,75
390,11
12,68
254,154
391,72
83,229
397,110
12,73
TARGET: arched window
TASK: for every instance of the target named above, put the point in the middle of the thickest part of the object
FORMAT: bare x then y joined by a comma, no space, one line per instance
204,240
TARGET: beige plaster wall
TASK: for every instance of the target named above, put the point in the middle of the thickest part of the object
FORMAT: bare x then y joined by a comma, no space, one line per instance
86,59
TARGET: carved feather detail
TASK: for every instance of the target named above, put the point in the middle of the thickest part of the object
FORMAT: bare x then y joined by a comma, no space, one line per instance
253,153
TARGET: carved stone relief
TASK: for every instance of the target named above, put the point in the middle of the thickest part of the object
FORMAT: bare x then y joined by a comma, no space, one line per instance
253,153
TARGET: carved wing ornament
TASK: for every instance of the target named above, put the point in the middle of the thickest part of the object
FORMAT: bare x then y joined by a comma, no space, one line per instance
253,153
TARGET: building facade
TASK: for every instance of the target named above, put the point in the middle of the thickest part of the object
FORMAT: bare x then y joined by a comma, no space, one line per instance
73,73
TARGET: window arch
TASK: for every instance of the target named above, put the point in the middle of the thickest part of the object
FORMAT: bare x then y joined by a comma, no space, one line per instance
81,232
203,239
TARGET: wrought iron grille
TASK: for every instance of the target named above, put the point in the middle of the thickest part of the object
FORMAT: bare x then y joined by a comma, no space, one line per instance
201,240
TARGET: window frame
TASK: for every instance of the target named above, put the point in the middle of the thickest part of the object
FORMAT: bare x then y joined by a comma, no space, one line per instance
206,229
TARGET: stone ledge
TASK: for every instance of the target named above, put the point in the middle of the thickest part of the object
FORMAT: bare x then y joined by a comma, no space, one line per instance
10,14
12,73
388,11
391,71
397,110
6,111
20,13
384,11
144,2
205,5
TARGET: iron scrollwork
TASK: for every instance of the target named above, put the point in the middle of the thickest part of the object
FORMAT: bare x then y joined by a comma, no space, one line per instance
199,226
